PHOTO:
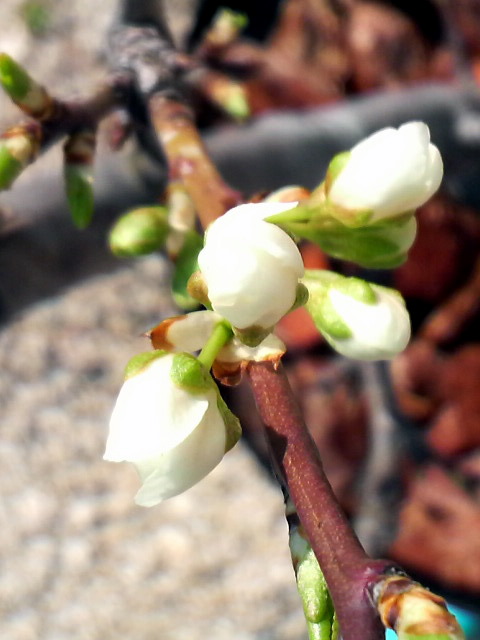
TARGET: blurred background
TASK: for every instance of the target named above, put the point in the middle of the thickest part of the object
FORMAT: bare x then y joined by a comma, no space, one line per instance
401,444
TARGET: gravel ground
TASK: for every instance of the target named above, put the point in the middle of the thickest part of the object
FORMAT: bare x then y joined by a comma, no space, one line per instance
78,559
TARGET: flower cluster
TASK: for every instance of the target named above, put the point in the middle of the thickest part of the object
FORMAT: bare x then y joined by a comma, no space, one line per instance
169,419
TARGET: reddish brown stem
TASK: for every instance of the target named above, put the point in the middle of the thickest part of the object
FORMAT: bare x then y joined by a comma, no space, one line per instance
349,572
188,159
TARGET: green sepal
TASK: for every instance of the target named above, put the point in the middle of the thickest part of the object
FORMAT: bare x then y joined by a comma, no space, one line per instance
320,307
336,166
10,168
301,297
79,191
139,232
233,427
190,374
299,214
13,78
186,263
141,361
252,336
373,247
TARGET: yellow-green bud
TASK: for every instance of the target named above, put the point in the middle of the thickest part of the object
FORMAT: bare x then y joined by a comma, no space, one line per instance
13,78
10,167
139,232
30,96
79,190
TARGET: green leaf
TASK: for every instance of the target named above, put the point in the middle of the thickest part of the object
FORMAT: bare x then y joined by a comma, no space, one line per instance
13,78
10,168
186,264
79,190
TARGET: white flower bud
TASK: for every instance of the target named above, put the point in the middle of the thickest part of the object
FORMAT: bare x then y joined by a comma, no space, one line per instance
390,173
379,330
251,267
174,437
360,320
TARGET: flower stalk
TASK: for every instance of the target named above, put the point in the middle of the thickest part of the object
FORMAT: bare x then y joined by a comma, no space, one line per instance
219,338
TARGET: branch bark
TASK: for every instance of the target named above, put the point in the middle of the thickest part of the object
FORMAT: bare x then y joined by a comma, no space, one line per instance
349,572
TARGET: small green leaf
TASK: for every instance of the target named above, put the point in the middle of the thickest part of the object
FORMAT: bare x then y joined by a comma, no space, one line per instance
186,264
13,78
10,168
79,190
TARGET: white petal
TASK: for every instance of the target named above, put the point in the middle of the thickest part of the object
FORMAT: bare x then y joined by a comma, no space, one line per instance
251,267
191,332
152,415
236,351
380,331
182,467
389,173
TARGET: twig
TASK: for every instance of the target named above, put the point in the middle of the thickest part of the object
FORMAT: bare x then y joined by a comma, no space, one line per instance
349,573
188,159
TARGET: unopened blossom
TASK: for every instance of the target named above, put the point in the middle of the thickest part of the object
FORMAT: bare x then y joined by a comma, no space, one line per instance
390,173
379,331
251,267
174,436
360,320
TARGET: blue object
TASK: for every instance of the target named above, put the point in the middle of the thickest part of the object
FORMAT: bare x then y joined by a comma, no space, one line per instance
469,621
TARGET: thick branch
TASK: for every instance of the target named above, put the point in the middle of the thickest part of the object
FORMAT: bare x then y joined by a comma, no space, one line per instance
348,570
